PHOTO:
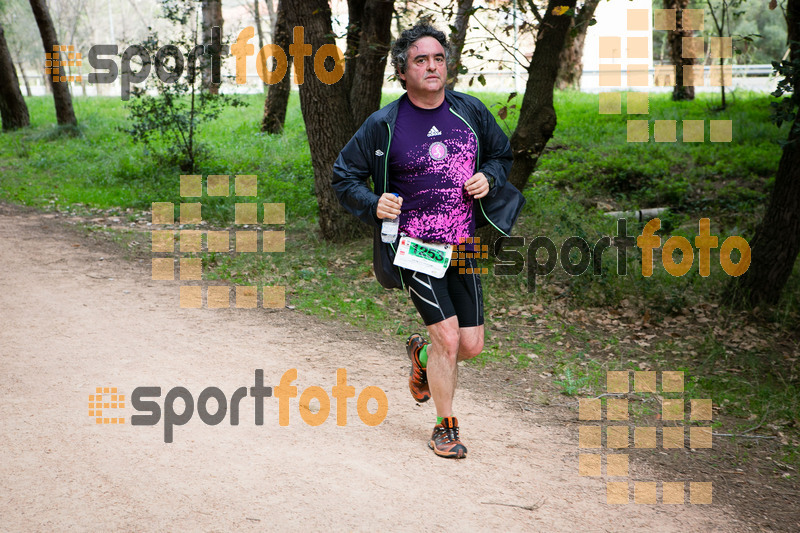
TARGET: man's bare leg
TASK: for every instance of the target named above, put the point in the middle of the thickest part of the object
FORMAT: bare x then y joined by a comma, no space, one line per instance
448,345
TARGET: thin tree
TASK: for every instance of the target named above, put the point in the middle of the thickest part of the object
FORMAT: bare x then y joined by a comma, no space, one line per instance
370,62
458,34
212,17
537,116
571,60
675,40
13,110
355,13
776,243
65,115
278,95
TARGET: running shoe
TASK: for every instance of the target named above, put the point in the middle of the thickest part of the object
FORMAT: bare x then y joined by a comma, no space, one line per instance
418,378
445,442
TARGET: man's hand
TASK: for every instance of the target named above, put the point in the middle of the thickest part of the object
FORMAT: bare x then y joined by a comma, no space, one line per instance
389,206
477,186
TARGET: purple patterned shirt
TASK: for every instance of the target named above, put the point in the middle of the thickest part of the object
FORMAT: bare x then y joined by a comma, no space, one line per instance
432,155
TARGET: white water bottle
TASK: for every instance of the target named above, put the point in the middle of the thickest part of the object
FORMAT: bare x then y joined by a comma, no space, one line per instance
390,227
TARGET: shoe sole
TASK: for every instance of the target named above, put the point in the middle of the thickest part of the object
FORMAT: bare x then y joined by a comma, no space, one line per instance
446,455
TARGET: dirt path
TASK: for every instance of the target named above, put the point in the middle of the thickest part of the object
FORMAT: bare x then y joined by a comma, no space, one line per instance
72,322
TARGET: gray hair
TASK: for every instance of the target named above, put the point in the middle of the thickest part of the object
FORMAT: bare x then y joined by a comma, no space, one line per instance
409,37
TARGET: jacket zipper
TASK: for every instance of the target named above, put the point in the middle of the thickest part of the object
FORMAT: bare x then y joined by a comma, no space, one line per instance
477,163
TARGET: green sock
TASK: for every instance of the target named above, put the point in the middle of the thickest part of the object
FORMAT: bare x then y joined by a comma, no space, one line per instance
423,356
439,420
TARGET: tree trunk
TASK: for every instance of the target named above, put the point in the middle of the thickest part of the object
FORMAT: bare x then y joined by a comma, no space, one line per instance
370,65
278,95
212,16
537,116
571,60
13,110
457,39
328,119
776,243
355,13
675,40
63,101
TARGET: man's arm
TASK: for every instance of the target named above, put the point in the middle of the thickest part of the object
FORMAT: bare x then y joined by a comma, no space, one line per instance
351,171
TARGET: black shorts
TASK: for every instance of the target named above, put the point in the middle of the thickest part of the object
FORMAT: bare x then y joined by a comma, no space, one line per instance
454,294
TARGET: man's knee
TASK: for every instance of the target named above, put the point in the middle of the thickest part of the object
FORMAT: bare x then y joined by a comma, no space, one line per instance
469,347
449,342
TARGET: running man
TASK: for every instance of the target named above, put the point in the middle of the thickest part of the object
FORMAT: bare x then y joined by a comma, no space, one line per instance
439,161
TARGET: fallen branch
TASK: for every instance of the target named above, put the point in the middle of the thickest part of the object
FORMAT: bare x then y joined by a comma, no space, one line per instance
766,411
526,507
742,435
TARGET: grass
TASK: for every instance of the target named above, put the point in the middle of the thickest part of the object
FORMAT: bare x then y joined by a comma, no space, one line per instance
569,328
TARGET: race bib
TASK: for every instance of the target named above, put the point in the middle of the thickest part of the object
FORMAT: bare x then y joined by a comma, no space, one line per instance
425,257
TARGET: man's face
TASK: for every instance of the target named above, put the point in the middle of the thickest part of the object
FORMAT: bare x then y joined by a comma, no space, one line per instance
426,70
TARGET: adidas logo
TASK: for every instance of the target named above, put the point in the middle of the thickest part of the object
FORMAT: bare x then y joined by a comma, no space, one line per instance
434,131
378,152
